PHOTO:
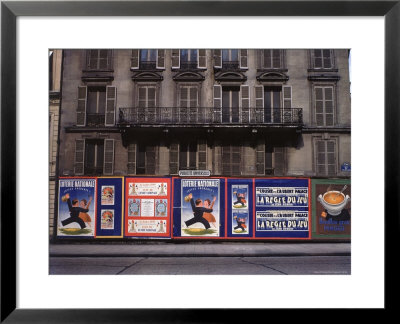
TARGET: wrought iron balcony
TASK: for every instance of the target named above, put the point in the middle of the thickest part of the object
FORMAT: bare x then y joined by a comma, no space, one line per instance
202,116
147,65
230,65
188,65
94,120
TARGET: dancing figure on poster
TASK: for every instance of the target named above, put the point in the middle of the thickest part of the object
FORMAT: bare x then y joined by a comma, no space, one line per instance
209,216
198,211
241,223
84,204
241,198
75,210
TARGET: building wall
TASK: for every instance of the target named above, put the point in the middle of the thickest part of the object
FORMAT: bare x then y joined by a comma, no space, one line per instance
299,156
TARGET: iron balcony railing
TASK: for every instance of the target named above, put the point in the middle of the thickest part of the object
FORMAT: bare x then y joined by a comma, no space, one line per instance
94,120
208,115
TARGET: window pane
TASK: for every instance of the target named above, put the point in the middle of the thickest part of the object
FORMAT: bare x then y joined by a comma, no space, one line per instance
140,159
193,55
184,55
234,55
225,55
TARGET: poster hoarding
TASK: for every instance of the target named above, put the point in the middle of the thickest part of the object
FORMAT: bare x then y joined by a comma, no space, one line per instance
147,205
331,208
199,209
109,207
240,208
77,207
282,208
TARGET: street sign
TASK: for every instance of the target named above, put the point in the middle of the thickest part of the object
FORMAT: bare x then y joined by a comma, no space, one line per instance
194,173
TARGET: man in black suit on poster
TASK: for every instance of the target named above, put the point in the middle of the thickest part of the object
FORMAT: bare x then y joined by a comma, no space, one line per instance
198,211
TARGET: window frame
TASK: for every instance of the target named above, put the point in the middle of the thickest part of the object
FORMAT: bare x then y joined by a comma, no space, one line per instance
314,103
325,138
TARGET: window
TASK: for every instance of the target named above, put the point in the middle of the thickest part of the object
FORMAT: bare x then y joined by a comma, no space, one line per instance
147,59
187,156
231,104
145,159
99,59
188,103
147,103
94,156
273,104
230,59
188,59
96,106
324,105
272,59
322,59
325,159
231,160
274,160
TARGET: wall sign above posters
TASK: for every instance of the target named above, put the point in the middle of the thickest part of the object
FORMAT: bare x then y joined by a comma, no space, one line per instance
77,207
282,208
194,173
147,205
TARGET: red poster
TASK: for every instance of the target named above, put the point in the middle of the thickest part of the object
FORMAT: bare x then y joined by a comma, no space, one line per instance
147,207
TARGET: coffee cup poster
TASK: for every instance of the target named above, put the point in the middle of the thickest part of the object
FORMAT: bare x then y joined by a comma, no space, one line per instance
76,207
332,209
200,207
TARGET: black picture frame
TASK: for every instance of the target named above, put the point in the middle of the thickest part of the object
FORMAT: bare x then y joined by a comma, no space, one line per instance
10,10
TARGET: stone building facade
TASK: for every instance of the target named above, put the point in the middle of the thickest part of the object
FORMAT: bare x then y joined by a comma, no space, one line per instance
235,112
55,68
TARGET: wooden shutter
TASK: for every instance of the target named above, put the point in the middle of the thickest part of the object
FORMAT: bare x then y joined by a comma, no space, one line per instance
160,59
92,59
326,157
260,158
243,58
331,157
319,106
173,158
150,159
266,59
276,58
79,156
245,103
111,96
132,158
81,109
184,104
217,58
279,161
135,59
317,59
217,99
108,167
202,59
287,104
328,105
258,113
202,157
175,56
327,58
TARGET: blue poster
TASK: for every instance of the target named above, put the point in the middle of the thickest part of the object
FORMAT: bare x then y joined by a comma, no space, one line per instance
240,208
198,208
109,207
76,207
282,208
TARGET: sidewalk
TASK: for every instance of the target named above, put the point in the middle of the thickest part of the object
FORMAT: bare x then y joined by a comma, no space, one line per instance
200,249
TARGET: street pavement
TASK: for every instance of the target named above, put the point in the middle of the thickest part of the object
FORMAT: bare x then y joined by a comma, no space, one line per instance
200,249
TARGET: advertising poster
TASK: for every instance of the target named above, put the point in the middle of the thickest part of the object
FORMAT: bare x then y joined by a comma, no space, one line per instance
282,208
147,207
109,207
77,207
331,208
198,208
240,208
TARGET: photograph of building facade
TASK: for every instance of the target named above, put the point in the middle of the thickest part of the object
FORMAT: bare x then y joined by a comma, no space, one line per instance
234,112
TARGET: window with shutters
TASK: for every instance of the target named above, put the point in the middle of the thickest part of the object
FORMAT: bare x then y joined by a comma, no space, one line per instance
99,59
324,105
322,59
132,158
189,59
146,103
145,159
231,160
270,159
94,157
271,59
231,104
230,59
96,106
147,59
325,157
188,156
188,103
